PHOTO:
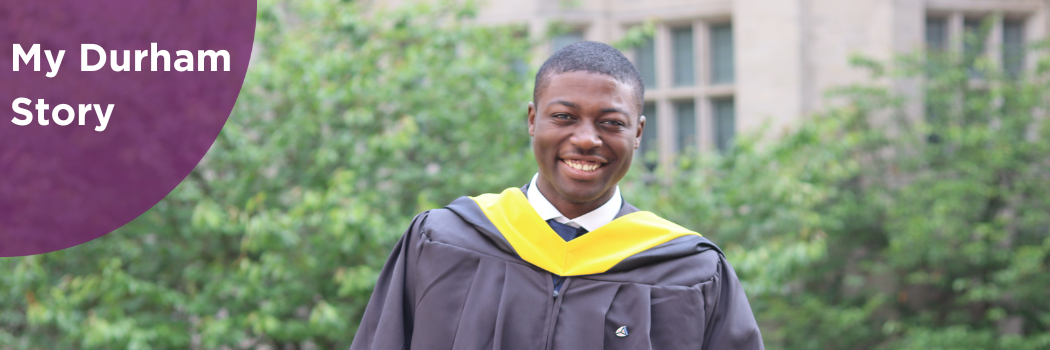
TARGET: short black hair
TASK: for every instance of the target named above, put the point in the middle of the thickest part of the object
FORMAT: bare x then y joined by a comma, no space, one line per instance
592,57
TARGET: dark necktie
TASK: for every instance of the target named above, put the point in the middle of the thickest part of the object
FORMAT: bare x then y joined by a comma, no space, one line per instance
565,231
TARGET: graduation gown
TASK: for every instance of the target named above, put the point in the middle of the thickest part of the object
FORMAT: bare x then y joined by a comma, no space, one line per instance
477,274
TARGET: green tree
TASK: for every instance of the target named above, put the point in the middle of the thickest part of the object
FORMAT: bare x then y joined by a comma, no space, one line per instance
871,226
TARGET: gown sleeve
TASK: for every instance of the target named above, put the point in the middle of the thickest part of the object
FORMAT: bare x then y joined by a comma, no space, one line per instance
388,318
731,324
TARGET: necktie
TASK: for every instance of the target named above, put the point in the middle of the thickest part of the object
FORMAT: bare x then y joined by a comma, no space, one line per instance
565,231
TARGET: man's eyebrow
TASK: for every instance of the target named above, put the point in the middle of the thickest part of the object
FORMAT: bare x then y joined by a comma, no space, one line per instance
615,110
564,103
603,110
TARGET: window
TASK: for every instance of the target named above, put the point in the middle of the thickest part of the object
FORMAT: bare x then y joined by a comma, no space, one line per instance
1013,47
645,61
682,47
689,75
725,123
937,34
973,45
648,151
563,40
972,33
685,116
722,54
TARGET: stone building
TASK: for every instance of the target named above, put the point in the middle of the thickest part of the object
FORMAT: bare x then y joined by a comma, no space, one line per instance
717,67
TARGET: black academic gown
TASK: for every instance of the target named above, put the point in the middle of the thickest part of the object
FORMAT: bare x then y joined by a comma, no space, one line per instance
454,281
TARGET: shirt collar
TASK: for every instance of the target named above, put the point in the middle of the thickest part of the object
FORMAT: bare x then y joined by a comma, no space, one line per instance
590,221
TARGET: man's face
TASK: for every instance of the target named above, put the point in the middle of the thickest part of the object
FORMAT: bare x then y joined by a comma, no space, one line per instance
585,128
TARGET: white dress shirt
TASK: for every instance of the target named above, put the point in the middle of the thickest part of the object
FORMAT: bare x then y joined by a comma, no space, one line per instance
590,221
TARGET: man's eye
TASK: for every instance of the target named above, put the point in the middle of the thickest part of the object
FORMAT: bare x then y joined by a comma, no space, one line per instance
615,123
561,116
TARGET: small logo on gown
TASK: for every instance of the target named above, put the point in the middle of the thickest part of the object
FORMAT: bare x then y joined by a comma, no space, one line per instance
621,332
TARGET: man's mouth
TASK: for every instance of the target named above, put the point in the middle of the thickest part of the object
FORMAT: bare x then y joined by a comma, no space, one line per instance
583,165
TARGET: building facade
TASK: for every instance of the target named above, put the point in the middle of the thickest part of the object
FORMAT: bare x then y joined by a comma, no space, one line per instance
714,68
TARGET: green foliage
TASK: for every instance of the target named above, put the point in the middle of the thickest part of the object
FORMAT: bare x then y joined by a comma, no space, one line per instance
635,36
871,226
867,226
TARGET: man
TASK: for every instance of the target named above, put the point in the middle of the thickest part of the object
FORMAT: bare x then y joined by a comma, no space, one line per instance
563,262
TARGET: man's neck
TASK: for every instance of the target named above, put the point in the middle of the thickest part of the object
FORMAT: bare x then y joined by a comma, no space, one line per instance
570,209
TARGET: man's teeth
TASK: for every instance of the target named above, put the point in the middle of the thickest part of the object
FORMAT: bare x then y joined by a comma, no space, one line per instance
581,165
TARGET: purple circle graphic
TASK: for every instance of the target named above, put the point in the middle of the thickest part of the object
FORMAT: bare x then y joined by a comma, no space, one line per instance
87,145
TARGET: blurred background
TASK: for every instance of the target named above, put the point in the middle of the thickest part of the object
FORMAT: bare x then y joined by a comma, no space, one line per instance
877,171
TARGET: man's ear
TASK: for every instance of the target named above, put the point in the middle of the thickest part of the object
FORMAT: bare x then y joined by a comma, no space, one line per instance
532,119
638,136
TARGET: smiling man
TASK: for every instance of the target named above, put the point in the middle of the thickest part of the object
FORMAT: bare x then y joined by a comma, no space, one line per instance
563,262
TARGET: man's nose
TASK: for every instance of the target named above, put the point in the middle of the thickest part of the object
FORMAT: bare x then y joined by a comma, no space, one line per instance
586,136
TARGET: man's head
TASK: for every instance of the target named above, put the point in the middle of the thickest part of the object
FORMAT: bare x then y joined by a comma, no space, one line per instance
593,57
586,122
